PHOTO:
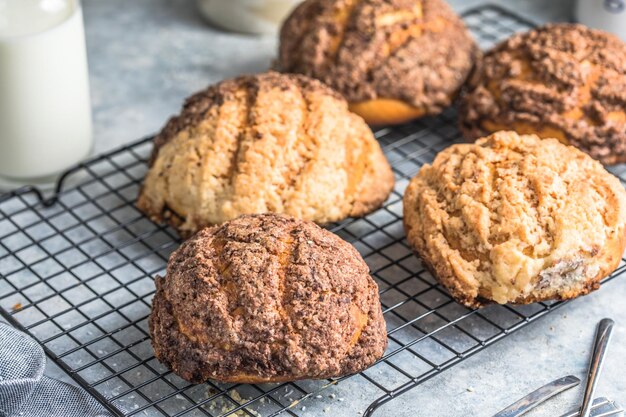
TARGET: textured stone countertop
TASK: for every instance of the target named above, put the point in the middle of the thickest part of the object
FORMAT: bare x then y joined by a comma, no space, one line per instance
145,56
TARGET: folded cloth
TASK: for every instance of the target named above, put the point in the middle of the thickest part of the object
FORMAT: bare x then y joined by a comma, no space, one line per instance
26,392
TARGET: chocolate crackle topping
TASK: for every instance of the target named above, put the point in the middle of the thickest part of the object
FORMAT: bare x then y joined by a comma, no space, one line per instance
416,51
562,80
266,298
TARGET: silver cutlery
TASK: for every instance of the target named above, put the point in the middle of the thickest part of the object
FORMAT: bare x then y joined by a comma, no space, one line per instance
603,336
538,396
601,407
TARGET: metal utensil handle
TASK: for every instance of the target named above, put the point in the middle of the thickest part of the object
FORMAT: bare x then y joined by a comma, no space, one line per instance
602,407
538,396
603,336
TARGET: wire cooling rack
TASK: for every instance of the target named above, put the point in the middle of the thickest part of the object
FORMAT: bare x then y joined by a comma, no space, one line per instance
76,274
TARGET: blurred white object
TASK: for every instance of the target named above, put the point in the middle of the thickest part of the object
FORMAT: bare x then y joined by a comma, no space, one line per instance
45,112
248,16
608,15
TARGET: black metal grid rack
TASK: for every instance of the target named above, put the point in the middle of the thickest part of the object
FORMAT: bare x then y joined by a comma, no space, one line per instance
76,274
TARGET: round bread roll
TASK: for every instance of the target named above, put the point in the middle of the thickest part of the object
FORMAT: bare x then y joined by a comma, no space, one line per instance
562,81
393,60
266,298
516,219
264,143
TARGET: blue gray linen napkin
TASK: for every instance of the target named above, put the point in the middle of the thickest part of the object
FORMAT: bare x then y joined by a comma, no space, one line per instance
26,392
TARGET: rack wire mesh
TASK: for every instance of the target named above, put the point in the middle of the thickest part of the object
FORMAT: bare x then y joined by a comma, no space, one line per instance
76,274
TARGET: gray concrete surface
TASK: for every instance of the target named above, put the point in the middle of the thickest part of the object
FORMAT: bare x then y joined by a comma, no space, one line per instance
145,56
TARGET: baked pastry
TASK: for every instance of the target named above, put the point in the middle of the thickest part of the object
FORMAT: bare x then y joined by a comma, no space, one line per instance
264,143
393,60
266,298
516,219
562,81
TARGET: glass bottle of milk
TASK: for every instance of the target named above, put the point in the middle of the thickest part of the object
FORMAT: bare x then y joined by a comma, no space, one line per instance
45,112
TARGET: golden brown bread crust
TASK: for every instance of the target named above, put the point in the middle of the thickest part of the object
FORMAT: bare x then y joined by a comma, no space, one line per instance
516,219
564,81
385,111
266,298
416,52
264,143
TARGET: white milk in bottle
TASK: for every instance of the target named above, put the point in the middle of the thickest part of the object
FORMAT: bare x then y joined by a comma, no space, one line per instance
45,113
